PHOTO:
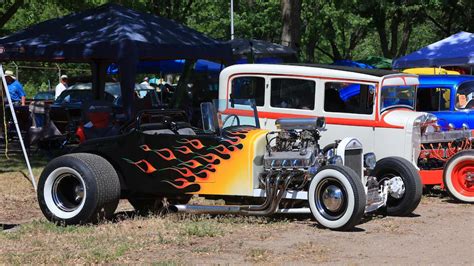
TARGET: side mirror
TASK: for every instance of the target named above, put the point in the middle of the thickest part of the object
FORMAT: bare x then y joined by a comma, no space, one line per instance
209,117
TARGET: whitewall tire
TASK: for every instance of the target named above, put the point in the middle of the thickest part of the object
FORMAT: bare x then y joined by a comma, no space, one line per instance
78,189
336,197
458,176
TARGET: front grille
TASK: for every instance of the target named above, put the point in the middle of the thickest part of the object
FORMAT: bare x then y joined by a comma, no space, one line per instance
353,160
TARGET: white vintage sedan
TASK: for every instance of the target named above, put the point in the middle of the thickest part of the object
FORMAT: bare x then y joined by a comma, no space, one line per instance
375,106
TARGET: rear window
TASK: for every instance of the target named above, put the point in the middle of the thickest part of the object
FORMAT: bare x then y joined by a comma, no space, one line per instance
249,88
293,93
343,97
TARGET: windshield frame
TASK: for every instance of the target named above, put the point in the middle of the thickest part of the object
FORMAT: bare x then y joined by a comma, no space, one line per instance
413,98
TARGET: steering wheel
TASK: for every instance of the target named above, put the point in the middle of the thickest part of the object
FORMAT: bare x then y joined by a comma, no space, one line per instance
236,118
398,106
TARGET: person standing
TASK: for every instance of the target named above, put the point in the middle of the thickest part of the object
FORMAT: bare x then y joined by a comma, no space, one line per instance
17,94
62,86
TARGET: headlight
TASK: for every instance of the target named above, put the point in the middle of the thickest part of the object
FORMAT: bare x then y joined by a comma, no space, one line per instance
370,160
450,126
336,160
465,126
428,123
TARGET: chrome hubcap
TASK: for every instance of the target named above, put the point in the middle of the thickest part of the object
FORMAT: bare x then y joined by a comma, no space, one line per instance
333,198
68,192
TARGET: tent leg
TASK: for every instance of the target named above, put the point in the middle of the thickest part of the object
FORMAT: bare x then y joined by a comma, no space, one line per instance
17,127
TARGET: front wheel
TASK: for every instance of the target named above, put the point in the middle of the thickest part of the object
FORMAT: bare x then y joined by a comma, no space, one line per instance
458,176
78,189
336,197
404,184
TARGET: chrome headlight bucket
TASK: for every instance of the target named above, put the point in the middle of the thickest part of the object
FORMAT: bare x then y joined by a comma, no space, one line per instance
370,160
336,159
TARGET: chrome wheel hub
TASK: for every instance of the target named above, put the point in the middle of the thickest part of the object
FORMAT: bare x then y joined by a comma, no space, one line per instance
333,198
68,192
396,187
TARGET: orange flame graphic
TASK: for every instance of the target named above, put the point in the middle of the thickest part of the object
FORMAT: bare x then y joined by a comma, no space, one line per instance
195,143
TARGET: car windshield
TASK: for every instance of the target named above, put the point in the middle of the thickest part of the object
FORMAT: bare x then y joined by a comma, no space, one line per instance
465,96
236,112
229,113
397,96
44,95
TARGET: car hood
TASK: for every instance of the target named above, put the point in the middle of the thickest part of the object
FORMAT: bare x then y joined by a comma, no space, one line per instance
401,117
457,118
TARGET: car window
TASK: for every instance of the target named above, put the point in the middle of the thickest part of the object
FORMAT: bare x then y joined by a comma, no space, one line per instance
292,93
344,97
249,88
465,95
433,99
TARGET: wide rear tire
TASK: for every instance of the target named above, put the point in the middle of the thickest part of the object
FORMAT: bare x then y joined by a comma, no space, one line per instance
336,197
78,188
458,176
390,167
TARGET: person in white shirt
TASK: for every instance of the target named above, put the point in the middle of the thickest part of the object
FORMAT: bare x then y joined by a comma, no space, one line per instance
62,86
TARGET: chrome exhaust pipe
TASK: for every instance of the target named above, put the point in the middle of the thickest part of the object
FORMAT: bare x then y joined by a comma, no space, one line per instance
272,201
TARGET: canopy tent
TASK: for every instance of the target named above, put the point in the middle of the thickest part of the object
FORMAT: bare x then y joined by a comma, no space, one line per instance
111,34
171,66
104,35
456,50
252,49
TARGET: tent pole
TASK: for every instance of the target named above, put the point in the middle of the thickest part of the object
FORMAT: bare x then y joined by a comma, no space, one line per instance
17,127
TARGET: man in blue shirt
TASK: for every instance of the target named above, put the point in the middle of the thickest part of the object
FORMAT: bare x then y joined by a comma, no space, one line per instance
15,88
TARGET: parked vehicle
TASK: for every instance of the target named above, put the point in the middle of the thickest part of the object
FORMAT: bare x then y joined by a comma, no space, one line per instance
375,106
257,172
44,96
66,112
449,97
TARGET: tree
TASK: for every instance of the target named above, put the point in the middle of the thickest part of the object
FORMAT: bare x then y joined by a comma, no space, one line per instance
291,17
393,20
452,16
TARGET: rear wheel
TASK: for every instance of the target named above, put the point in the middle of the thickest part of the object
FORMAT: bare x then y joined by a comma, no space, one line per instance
404,183
336,197
458,176
78,189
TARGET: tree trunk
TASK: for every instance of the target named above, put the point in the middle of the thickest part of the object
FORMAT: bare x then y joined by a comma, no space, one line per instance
4,18
291,16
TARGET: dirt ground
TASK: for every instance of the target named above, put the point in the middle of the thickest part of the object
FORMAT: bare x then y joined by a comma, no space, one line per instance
440,232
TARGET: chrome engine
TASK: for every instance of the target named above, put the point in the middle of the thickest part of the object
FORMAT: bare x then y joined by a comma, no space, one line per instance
293,154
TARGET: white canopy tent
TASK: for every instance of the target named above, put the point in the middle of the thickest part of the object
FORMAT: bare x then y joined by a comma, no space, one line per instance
17,127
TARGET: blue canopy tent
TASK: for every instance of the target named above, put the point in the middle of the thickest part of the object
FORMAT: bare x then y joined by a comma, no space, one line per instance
171,66
111,34
351,63
456,50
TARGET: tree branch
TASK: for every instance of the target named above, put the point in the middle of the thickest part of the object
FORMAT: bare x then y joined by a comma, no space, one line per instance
10,12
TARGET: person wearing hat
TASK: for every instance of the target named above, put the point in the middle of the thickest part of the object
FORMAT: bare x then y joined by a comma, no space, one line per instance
17,94
62,86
